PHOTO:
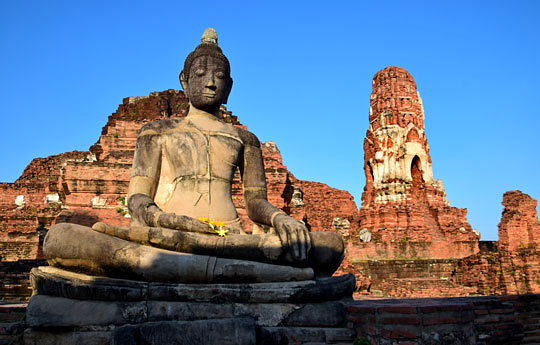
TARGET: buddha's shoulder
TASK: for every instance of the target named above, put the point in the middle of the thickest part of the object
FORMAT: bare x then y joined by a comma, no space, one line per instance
247,137
160,126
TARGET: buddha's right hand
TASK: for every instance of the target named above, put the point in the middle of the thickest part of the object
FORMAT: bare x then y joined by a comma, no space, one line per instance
185,223
147,213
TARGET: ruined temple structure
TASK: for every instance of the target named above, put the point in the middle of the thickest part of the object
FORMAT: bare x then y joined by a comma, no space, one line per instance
405,212
409,242
405,241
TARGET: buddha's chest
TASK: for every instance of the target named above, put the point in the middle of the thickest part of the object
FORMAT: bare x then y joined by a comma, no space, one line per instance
203,154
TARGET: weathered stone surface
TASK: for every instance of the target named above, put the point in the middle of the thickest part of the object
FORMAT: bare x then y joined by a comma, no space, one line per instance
61,283
37,337
53,281
304,291
48,311
239,331
303,335
185,311
329,314
264,314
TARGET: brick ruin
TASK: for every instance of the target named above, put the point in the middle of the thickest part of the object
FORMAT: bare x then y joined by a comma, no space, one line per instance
404,210
405,241
409,241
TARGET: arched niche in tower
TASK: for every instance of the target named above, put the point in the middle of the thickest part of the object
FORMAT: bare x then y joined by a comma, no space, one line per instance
413,136
416,171
369,174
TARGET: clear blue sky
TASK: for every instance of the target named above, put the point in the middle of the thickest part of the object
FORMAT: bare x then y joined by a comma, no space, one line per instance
302,78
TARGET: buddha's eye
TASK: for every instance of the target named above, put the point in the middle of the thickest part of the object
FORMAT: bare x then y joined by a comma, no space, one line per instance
220,75
199,72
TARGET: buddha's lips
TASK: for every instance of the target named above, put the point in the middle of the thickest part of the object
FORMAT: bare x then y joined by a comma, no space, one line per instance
207,94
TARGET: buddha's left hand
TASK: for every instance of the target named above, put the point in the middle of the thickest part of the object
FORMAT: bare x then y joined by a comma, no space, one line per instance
294,236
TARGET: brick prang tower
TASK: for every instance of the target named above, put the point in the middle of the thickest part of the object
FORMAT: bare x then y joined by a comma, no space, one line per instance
402,201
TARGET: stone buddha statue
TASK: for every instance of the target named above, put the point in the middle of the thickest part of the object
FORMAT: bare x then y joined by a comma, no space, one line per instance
185,227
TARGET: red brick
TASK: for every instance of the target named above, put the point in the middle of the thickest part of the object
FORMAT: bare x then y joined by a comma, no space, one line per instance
361,318
400,334
442,320
409,320
369,329
440,308
501,311
487,319
361,309
398,309
507,298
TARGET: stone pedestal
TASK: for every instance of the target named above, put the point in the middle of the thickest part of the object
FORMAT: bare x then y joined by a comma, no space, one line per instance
72,308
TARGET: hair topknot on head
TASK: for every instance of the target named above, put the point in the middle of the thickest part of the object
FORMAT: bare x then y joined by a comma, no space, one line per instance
208,47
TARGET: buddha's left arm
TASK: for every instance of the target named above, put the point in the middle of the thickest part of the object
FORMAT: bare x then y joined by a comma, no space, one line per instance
293,233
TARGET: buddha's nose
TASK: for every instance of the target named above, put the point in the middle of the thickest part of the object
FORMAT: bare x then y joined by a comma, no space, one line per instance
210,84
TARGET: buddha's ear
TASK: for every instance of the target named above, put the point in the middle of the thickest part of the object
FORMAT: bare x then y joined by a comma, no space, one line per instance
184,83
229,88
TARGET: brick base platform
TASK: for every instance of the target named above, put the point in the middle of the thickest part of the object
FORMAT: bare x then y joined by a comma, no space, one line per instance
513,319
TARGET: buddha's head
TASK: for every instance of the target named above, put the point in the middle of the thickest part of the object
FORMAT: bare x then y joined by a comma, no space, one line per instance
206,77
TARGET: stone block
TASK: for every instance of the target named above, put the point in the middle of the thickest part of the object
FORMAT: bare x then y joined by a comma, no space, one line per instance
48,311
47,280
300,335
61,283
185,311
238,331
333,288
37,337
331,314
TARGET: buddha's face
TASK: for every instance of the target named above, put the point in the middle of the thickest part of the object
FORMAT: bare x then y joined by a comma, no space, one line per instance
209,83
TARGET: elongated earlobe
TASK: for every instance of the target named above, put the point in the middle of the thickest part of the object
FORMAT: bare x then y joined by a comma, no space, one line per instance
229,87
184,83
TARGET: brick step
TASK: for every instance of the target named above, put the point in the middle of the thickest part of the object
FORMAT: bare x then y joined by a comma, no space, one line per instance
348,343
11,328
530,340
10,313
306,335
20,295
531,321
11,317
532,333
15,339
419,287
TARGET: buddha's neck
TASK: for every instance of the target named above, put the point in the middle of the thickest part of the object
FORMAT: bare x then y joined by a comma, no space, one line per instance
193,111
